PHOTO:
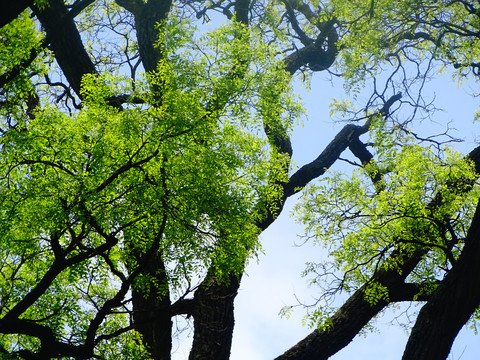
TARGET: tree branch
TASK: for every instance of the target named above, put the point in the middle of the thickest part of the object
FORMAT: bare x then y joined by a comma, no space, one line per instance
359,149
11,10
357,312
451,305
79,6
50,347
66,43
319,55
24,64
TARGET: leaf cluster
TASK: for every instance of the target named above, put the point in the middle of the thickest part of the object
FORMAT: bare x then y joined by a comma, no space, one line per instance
424,201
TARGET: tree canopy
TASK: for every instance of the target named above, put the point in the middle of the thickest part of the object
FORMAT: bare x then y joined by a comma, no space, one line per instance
145,146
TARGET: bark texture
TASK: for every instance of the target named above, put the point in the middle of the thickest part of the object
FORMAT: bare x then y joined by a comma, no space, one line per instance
151,311
452,304
148,19
11,9
214,320
65,41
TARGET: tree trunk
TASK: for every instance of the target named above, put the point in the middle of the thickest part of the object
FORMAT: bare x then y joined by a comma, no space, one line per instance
65,41
151,311
11,9
214,320
451,305
147,25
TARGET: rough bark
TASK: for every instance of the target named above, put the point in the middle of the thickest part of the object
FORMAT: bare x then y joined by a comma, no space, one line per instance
148,33
451,305
214,320
148,17
11,9
65,41
151,312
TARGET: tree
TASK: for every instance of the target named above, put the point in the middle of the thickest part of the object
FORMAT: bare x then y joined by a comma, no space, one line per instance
142,156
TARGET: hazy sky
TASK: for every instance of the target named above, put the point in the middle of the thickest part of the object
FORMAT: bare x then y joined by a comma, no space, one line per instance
272,283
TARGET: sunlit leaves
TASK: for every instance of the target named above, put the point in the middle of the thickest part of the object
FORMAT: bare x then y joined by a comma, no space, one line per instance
98,191
21,56
394,32
425,201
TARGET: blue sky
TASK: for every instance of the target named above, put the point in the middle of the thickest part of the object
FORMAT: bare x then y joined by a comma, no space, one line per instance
274,281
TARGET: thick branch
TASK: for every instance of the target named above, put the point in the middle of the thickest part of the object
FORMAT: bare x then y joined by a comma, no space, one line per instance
152,310
50,347
79,6
357,312
354,314
319,55
65,41
304,9
242,8
182,307
148,18
134,6
326,159
296,26
346,136
360,150
451,305
322,163
11,9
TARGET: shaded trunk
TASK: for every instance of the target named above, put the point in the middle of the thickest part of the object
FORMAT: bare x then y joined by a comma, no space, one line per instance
65,41
11,9
148,26
214,320
151,311
451,305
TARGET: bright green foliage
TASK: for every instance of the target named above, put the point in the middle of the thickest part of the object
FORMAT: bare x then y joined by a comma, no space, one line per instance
375,292
393,33
94,191
199,153
18,41
319,318
360,222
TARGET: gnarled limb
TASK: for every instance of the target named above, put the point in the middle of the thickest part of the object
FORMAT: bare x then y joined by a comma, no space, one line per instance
11,9
65,41
357,311
451,305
